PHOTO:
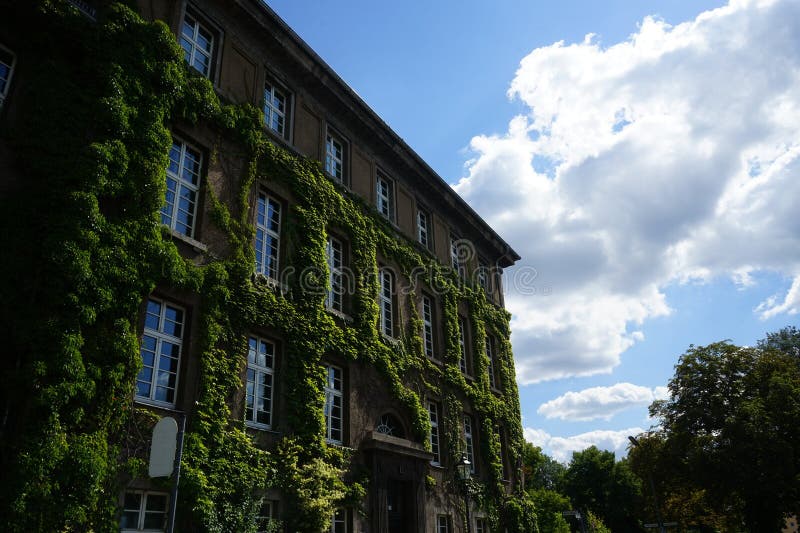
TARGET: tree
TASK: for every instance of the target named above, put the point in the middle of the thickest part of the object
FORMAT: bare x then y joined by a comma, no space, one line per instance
595,481
786,340
731,428
549,506
541,470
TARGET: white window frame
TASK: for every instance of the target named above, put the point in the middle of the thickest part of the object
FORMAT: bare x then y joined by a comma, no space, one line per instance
261,374
339,518
276,119
443,523
469,442
335,162
192,43
455,260
427,327
489,348
268,263
424,228
386,302
384,197
480,525
181,187
334,397
433,417
7,82
334,298
161,337
266,514
142,510
462,345
483,277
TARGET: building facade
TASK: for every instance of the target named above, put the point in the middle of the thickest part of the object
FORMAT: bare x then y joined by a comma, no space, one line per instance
244,246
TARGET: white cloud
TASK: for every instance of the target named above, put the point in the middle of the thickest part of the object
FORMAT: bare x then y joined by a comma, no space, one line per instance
561,448
600,402
670,157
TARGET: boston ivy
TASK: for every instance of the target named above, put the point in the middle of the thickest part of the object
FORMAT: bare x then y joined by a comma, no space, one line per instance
91,138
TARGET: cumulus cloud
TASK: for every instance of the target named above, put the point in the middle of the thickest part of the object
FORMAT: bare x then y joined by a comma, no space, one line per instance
600,402
670,157
561,448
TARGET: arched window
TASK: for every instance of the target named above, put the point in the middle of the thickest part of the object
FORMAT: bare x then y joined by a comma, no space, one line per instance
388,424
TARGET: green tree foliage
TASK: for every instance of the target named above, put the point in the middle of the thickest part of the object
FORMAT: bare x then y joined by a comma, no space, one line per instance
594,481
786,340
549,506
541,470
730,429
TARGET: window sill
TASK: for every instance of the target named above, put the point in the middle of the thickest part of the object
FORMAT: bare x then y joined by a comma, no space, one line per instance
340,315
196,245
391,341
155,403
259,427
271,283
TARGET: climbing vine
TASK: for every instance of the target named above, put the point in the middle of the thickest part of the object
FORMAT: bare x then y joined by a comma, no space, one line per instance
91,134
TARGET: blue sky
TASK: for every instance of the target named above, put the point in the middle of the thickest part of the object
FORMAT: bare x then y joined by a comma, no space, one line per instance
647,174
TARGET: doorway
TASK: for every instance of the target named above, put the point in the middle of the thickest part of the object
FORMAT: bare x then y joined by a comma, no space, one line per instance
400,506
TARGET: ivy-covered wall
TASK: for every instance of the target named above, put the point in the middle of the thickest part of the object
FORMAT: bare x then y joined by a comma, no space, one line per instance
87,135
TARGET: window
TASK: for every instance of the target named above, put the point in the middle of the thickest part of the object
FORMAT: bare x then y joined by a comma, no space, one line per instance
386,302
333,404
260,365
334,297
442,524
197,42
424,229
433,412
276,108
490,366
268,228
7,61
339,521
144,511
481,526
266,514
483,277
183,182
334,155
469,442
462,345
161,352
503,457
384,195
457,250
427,326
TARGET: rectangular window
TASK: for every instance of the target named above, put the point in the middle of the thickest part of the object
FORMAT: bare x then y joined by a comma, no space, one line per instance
260,369
268,228
266,514
490,365
424,229
7,61
469,442
433,412
457,250
335,296
161,352
277,103
442,524
483,277
481,526
144,511
386,302
334,155
462,345
427,326
197,42
384,195
333,404
503,456
183,183
339,521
